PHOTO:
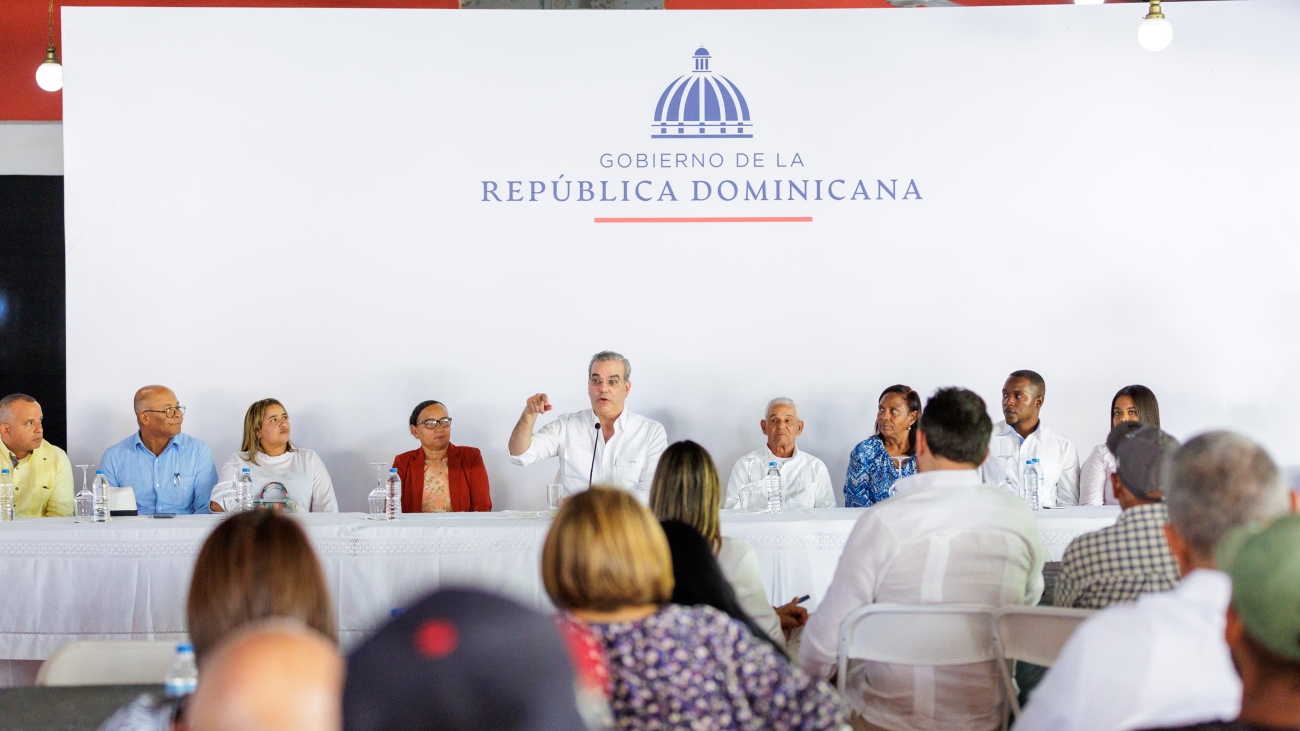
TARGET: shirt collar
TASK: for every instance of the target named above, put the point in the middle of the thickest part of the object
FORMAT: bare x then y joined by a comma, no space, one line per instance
1155,512
937,479
171,443
772,457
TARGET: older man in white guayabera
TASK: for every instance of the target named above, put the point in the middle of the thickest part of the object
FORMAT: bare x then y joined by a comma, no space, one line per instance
805,482
603,445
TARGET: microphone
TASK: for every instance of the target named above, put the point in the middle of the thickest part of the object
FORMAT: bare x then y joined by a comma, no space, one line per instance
594,442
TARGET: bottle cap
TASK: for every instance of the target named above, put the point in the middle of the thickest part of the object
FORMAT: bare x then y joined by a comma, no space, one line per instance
771,464
185,647
392,470
99,472
4,472
246,469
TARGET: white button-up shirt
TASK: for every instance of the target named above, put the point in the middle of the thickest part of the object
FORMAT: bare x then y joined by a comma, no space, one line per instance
1057,460
943,538
805,481
1162,662
627,460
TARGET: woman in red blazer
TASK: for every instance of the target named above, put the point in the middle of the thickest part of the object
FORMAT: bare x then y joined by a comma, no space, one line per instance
438,476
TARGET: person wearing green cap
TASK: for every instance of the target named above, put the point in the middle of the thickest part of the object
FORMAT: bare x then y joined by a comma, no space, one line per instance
1163,661
1263,625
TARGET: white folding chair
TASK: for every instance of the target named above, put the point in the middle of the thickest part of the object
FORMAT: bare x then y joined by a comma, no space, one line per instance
1032,634
917,634
109,662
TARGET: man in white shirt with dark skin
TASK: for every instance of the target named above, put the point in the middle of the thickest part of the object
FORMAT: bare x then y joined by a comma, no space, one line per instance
1022,437
1164,661
603,445
944,538
805,481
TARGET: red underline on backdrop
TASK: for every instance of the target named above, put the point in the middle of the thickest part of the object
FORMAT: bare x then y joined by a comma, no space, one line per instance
712,219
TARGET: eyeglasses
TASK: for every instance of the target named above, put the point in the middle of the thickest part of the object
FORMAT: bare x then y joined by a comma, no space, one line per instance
598,382
444,422
170,411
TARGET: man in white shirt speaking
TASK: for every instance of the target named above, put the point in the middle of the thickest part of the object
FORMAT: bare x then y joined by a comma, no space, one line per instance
944,538
603,445
1022,437
805,481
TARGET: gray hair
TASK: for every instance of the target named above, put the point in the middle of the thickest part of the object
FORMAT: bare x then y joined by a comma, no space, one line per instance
1219,481
781,401
611,355
7,405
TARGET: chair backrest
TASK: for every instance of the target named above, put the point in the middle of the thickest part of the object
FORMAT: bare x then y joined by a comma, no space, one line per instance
109,662
1035,634
917,634
121,498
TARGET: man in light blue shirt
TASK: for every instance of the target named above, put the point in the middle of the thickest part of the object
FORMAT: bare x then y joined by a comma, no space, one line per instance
170,472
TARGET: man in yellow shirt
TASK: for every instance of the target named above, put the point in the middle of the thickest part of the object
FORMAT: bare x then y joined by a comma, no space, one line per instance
42,473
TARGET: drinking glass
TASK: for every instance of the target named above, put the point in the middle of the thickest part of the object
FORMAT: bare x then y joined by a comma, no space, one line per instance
85,500
752,498
553,498
1009,474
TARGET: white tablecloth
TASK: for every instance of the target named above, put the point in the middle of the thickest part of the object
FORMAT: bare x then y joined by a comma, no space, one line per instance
128,579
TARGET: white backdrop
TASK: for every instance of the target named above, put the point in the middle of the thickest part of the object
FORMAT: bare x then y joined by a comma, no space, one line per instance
289,203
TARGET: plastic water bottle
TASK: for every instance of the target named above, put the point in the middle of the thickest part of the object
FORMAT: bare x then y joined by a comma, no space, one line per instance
183,678
244,491
1033,483
393,496
99,512
772,487
6,495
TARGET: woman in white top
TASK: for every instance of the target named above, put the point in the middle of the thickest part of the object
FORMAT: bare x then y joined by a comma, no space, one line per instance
280,470
1131,403
686,488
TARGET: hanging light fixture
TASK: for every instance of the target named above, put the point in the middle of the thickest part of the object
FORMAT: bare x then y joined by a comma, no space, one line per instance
49,75
1155,33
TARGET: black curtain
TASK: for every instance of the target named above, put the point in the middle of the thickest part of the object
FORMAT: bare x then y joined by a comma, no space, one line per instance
33,352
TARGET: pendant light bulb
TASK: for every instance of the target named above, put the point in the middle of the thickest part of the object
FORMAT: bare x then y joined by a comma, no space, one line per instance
1155,33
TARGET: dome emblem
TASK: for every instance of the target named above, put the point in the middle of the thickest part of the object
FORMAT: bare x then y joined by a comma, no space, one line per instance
702,104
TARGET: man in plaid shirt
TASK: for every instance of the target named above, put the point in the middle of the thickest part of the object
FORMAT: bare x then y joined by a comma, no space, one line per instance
1118,564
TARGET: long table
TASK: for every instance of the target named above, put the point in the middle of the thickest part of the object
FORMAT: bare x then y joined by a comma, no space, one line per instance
128,579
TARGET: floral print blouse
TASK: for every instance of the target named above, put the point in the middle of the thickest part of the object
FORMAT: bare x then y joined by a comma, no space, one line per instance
697,668
872,473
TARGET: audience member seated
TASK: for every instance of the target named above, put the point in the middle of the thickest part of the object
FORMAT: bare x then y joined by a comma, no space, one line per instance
606,562
1263,625
1131,403
462,659
1022,437
438,476
41,472
272,676
1164,661
1117,564
697,578
944,538
805,483
603,445
254,566
169,472
284,476
889,454
686,488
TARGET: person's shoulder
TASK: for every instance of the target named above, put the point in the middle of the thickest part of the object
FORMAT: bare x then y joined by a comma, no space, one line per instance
187,441
639,420
733,550
870,445
408,456
123,446
51,451
812,459
466,453
1047,433
1099,453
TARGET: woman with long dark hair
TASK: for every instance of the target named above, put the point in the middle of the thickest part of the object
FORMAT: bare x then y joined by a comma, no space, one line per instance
889,454
1131,403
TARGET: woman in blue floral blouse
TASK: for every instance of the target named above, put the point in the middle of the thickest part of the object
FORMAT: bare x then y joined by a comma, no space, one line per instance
606,563
889,454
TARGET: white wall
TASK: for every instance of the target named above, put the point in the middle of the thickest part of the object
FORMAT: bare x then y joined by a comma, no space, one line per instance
31,148
291,207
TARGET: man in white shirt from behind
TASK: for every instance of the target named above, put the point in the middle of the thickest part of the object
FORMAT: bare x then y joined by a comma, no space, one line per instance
1022,437
603,445
1164,660
944,538
805,482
